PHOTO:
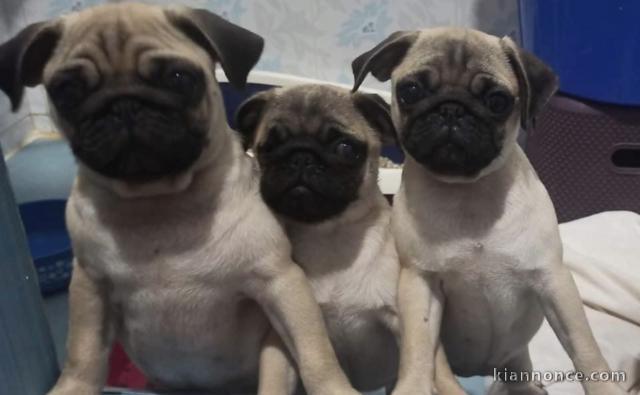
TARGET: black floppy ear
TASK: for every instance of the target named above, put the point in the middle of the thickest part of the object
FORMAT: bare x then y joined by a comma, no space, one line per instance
23,58
377,112
536,81
383,58
249,114
237,49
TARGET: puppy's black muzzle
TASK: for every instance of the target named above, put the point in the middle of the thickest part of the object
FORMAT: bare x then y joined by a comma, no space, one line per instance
132,139
451,140
301,160
302,181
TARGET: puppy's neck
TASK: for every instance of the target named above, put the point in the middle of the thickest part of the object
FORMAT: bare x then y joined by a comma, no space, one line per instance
484,196
222,166
367,208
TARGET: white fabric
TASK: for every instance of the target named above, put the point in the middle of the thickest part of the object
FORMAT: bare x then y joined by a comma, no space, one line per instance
603,253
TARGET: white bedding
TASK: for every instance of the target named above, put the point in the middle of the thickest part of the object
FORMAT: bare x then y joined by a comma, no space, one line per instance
603,253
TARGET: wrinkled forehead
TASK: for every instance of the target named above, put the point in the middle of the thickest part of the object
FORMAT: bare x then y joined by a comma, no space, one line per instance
117,19
311,109
457,55
117,37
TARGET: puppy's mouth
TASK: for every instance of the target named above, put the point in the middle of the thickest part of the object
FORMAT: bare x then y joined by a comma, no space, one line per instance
133,140
299,192
452,141
302,201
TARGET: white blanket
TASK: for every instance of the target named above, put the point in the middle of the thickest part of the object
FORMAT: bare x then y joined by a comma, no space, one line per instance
603,253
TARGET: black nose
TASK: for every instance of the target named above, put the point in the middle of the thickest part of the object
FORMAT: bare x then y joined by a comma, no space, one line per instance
451,110
302,159
126,108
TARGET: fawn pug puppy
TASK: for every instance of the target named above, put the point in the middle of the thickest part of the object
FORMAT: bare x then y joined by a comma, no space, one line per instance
318,148
176,255
476,231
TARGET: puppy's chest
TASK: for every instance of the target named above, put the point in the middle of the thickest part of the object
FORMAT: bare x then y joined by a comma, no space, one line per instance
356,286
150,257
172,284
470,256
190,280
501,247
349,276
131,253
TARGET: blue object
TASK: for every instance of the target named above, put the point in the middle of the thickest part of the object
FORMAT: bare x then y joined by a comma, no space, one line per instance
234,97
593,45
28,363
49,243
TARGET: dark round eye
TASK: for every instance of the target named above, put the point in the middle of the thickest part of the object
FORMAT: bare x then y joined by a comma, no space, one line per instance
276,136
346,150
498,102
67,93
410,93
181,81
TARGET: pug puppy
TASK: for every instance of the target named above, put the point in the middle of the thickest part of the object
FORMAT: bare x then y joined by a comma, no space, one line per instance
176,255
318,148
476,231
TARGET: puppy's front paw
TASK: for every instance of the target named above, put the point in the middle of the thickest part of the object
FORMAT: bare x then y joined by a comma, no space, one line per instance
604,388
528,388
340,391
414,388
74,387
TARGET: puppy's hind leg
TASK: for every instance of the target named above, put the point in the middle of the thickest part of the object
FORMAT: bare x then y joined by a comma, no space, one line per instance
518,366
